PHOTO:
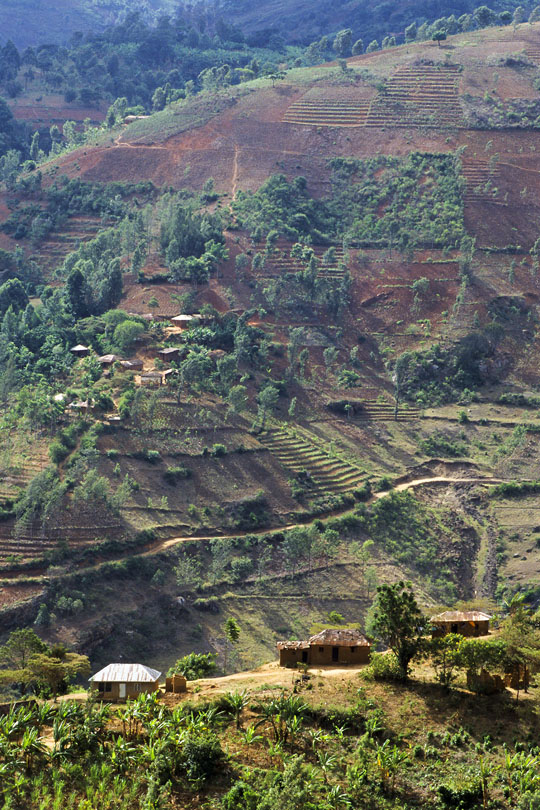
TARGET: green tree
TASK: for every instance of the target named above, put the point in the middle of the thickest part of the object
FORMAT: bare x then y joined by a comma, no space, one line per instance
194,666
267,403
358,47
518,17
20,647
231,629
342,42
444,657
438,37
126,333
410,32
398,621
237,399
58,667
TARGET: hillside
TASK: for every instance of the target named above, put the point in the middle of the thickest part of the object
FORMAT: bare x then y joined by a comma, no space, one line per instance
394,352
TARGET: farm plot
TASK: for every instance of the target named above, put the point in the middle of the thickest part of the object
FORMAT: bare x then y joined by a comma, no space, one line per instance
425,96
324,466
481,180
52,252
281,261
328,112
370,410
533,53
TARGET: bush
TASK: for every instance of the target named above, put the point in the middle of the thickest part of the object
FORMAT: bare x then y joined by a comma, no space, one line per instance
201,755
194,665
173,474
439,445
210,604
112,454
383,667
241,567
218,450
460,797
58,452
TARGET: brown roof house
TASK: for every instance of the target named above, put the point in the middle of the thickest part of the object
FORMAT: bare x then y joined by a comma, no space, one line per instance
170,353
123,681
340,646
464,622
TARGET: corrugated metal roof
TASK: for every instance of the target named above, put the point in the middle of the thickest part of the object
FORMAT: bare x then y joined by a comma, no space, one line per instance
461,616
340,637
126,673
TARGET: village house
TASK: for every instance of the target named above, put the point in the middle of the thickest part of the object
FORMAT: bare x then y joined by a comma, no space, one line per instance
150,378
131,365
122,681
334,646
80,351
171,353
463,622
108,359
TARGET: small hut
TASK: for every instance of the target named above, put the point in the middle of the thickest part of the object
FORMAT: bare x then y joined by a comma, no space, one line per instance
131,365
150,378
338,646
80,351
171,353
176,684
108,359
182,320
464,622
122,681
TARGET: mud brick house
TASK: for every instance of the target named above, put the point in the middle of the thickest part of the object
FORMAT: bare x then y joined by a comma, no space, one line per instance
464,622
335,646
122,681
172,353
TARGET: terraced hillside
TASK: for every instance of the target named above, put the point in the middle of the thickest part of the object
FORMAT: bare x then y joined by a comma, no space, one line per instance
328,113
327,469
482,180
56,247
425,96
280,260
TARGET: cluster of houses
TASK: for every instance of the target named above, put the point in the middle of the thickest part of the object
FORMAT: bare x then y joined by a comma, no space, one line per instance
337,646
149,377
343,646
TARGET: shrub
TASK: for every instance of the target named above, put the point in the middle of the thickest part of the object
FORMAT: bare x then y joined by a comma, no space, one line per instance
58,452
201,754
173,474
241,567
194,665
218,450
383,667
113,453
210,604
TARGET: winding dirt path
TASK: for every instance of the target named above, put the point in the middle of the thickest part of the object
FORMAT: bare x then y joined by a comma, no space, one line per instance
164,545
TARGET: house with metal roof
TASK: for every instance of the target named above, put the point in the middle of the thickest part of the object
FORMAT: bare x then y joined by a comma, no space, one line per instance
339,646
464,622
122,681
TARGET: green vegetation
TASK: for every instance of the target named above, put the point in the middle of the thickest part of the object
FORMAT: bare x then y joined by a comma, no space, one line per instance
420,197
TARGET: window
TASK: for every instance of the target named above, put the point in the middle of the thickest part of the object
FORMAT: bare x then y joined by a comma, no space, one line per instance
353,649
321,649
104,687
138,687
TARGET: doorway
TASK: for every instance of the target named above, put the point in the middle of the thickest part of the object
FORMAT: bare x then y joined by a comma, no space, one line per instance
335,654
122,690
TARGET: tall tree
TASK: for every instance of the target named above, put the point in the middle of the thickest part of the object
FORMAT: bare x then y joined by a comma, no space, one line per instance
398,621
